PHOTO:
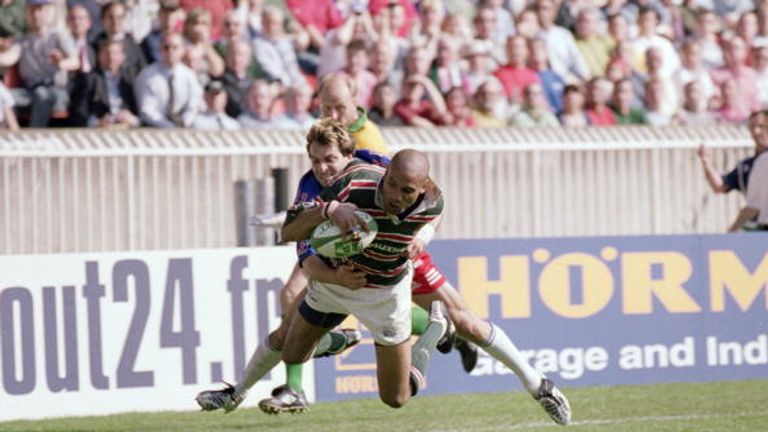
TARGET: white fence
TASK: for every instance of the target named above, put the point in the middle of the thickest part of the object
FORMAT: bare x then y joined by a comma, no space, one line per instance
87,191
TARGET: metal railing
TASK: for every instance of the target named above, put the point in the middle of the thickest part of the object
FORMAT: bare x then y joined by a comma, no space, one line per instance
93,190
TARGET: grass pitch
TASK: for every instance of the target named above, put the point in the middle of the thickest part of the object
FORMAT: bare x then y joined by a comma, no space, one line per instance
709,407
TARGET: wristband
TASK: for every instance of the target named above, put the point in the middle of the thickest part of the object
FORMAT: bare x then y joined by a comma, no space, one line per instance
329,208
426,233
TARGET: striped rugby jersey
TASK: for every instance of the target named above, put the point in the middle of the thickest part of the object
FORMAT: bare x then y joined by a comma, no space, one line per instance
383,260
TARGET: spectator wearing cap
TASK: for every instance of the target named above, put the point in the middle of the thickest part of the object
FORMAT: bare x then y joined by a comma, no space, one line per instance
12,17
258,106
298,100
79,23
236,78
564,56
215,116
113,20
170,20
274,52
103,97
167,91
47,56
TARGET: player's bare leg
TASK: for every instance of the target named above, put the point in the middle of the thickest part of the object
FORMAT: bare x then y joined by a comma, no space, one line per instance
497,343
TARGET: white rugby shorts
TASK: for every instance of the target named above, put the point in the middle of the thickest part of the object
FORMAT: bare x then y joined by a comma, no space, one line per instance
386,312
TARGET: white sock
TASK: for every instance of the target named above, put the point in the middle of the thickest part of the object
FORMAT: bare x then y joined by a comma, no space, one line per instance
423,348
263,360
501,348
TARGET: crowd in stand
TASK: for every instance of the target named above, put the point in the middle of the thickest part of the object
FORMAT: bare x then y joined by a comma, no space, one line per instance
471,63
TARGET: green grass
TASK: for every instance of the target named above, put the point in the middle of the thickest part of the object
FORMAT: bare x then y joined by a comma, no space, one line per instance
721,406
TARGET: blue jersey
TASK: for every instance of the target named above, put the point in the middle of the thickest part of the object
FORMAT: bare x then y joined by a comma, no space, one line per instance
738,178
310,188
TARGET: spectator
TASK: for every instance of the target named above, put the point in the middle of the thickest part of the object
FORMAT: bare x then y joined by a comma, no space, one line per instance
233,30
485,34
656,114
479,66
491,108
333,53
382,64
564,57
535,111
236,78
426,31
527,23
216,11
648,21
10,51
459,115
447,71
316,18
78,23
215,116
573,115
136,21
113,20
516,75
199,53
694,111
619,28
417,62
170,19
415,109
274,52
458,27
598,94
731,109
357,69
7,114
167,91
103,97
624,105
505,25
252,10
551,83
12,17
743,77
404,12
668,97
383,111
692,69
746,28
594,47
258,106
47,56
760,56
298,100
707,29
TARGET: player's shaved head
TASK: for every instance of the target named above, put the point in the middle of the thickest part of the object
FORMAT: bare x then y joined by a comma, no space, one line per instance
406,179
411,163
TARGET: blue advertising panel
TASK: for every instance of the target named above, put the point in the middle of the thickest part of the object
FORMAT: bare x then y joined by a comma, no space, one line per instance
598,311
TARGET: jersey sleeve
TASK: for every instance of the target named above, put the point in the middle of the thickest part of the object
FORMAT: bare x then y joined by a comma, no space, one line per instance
731,180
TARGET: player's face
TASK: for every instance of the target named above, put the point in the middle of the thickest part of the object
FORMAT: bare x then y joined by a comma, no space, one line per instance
327,162
400,191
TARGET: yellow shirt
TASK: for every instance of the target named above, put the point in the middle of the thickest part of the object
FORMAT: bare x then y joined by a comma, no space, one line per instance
367,135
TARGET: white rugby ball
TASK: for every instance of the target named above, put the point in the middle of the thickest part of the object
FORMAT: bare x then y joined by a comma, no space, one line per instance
326,238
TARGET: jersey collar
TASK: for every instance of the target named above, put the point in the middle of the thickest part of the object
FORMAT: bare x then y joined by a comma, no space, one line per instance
358,124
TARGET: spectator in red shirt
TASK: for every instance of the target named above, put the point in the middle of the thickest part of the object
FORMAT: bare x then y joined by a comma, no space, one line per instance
457,104
415,109
404,7
516,75
217,9
598,95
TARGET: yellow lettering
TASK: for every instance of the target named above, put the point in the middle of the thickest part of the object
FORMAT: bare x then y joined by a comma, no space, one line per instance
512,287
639,287
727,273
555,286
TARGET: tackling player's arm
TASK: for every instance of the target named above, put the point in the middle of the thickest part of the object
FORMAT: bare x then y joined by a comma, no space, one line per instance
345,275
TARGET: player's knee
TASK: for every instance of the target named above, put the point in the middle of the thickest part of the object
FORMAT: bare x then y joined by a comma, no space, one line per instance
395,401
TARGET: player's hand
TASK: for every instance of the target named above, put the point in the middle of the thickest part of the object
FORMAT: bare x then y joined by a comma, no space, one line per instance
348,276
344,217
414,249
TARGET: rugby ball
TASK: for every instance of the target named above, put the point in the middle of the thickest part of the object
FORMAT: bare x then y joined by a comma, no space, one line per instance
326,238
